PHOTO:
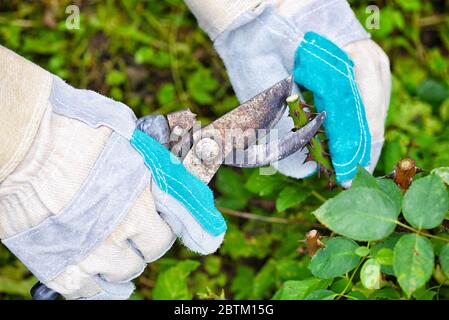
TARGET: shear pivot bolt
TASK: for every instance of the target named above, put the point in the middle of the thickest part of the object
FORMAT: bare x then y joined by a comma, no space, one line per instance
207,149
178,131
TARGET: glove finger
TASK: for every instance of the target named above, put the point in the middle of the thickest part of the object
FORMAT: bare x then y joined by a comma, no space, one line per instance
374,79
385,73
118,259
184,225
112,291
183,200
115,260
146,231
371,84
75,283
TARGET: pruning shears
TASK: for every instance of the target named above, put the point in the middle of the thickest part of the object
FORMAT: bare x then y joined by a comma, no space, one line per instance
233,139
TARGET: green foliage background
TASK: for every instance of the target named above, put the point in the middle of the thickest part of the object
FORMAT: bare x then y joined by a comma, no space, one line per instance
152,56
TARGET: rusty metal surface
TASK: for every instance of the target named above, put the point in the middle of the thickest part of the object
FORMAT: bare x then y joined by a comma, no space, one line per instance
180,123
264,154
184,119
261,112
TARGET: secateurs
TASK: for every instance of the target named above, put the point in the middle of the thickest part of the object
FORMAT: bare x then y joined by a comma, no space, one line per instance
232,139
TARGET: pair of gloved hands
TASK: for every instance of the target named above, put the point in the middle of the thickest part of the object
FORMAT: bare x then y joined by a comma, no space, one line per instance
86,201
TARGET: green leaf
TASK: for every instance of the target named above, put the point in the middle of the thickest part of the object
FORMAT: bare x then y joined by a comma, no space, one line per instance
424,294
438,244
386,294
426,202
410,5
144,54
321,295
172,283
264,280
392,153
290,197
201,84
115,78
240,245
264,185
364,179
362,251
363,214
227,182
148,55
385,256
290,269
335,259
299,290
356,295
166,94
443,173
370,275
413,262
389,243
433,92
341,286
116,93
242,282
212,264
392,191
387,186
444,259
17,287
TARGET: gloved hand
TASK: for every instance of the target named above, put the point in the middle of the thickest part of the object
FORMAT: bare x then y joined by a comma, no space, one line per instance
81,188
262,42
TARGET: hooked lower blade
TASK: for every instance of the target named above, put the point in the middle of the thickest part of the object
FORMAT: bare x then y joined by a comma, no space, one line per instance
239,128
259,155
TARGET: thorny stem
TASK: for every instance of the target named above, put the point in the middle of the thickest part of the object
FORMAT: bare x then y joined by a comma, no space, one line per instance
420,232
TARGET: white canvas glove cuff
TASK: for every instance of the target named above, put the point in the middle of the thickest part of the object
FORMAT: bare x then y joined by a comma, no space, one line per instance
214,16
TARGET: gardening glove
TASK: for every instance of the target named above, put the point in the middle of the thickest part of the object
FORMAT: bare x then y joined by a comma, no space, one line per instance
262,42
86,199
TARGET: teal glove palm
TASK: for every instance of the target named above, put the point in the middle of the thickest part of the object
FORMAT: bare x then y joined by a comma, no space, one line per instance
327,71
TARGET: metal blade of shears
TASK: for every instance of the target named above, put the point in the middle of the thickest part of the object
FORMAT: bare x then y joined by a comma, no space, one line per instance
213,143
